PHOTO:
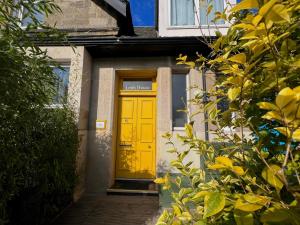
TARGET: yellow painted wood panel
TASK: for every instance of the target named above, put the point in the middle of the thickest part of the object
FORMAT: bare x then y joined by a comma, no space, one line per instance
136,138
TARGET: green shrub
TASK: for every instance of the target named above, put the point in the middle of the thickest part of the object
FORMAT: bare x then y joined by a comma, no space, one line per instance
38,156
250,179
38,144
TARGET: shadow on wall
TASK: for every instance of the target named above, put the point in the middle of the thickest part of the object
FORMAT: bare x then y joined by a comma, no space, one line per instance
98,163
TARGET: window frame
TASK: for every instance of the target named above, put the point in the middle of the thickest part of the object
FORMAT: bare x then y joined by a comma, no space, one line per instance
187,80
197,20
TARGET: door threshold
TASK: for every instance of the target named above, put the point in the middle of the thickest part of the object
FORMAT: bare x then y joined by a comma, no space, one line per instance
139,185
119,191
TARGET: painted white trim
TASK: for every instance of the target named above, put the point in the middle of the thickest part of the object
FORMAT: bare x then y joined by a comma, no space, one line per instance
167,30
178,129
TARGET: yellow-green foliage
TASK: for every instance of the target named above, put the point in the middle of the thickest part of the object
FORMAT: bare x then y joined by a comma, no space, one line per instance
246,179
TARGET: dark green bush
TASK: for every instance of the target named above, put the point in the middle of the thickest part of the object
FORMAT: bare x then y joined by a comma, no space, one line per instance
38,144
37,164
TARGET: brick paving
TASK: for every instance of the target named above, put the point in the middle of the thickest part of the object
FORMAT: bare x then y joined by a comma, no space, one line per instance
111,210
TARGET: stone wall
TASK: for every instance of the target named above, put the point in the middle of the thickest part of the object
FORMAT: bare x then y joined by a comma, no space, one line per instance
85,16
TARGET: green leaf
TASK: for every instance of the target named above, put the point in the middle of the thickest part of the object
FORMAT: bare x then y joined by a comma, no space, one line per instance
281,11
184,191
243,218
209,8
164,217
281,216
284,97
238,58
176,209
267,106
272,115
266,7
214,202
274,215
233,93
245,4
270,175
200,222
224,160
160,180
296,135
200,195
284,130
251,202
189,130
238,170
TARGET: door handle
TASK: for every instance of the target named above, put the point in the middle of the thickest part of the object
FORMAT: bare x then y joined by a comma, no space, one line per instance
123,145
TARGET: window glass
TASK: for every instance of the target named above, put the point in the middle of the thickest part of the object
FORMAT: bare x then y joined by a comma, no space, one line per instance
218,6
182,12
62,83
25,19
28,20
179,98
137,84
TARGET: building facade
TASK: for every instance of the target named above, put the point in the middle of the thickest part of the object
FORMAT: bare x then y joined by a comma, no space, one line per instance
125,85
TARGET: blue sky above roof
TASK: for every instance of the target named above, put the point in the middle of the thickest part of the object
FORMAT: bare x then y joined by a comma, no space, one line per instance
143,12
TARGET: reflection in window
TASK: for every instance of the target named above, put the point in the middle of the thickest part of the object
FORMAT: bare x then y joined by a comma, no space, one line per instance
179,98
182,12
137,85
26,19
217,6
62,84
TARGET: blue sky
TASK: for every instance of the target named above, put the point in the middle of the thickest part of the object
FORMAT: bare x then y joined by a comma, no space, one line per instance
143,12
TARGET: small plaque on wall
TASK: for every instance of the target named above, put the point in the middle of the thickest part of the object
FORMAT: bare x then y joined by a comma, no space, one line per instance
100,124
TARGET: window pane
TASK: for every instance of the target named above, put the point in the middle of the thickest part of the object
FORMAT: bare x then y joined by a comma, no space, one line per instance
62,84
178,99
218,6
28,20
137,85
182,12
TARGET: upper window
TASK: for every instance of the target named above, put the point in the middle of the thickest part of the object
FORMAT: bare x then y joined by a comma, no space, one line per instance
179,100
182,12
207,19
62,83
24,16
195,12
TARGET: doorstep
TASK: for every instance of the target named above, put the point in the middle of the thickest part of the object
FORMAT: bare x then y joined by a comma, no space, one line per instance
133,187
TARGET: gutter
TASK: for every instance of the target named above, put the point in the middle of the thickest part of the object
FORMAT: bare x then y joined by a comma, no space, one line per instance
90,40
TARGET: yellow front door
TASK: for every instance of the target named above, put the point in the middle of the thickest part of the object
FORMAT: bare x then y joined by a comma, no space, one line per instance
136,138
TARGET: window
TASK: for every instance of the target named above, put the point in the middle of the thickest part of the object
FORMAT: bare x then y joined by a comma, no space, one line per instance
179,99
62,83
25,18
183,12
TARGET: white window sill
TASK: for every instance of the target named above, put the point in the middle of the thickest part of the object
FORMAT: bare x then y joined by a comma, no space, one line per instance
198,27
178,128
